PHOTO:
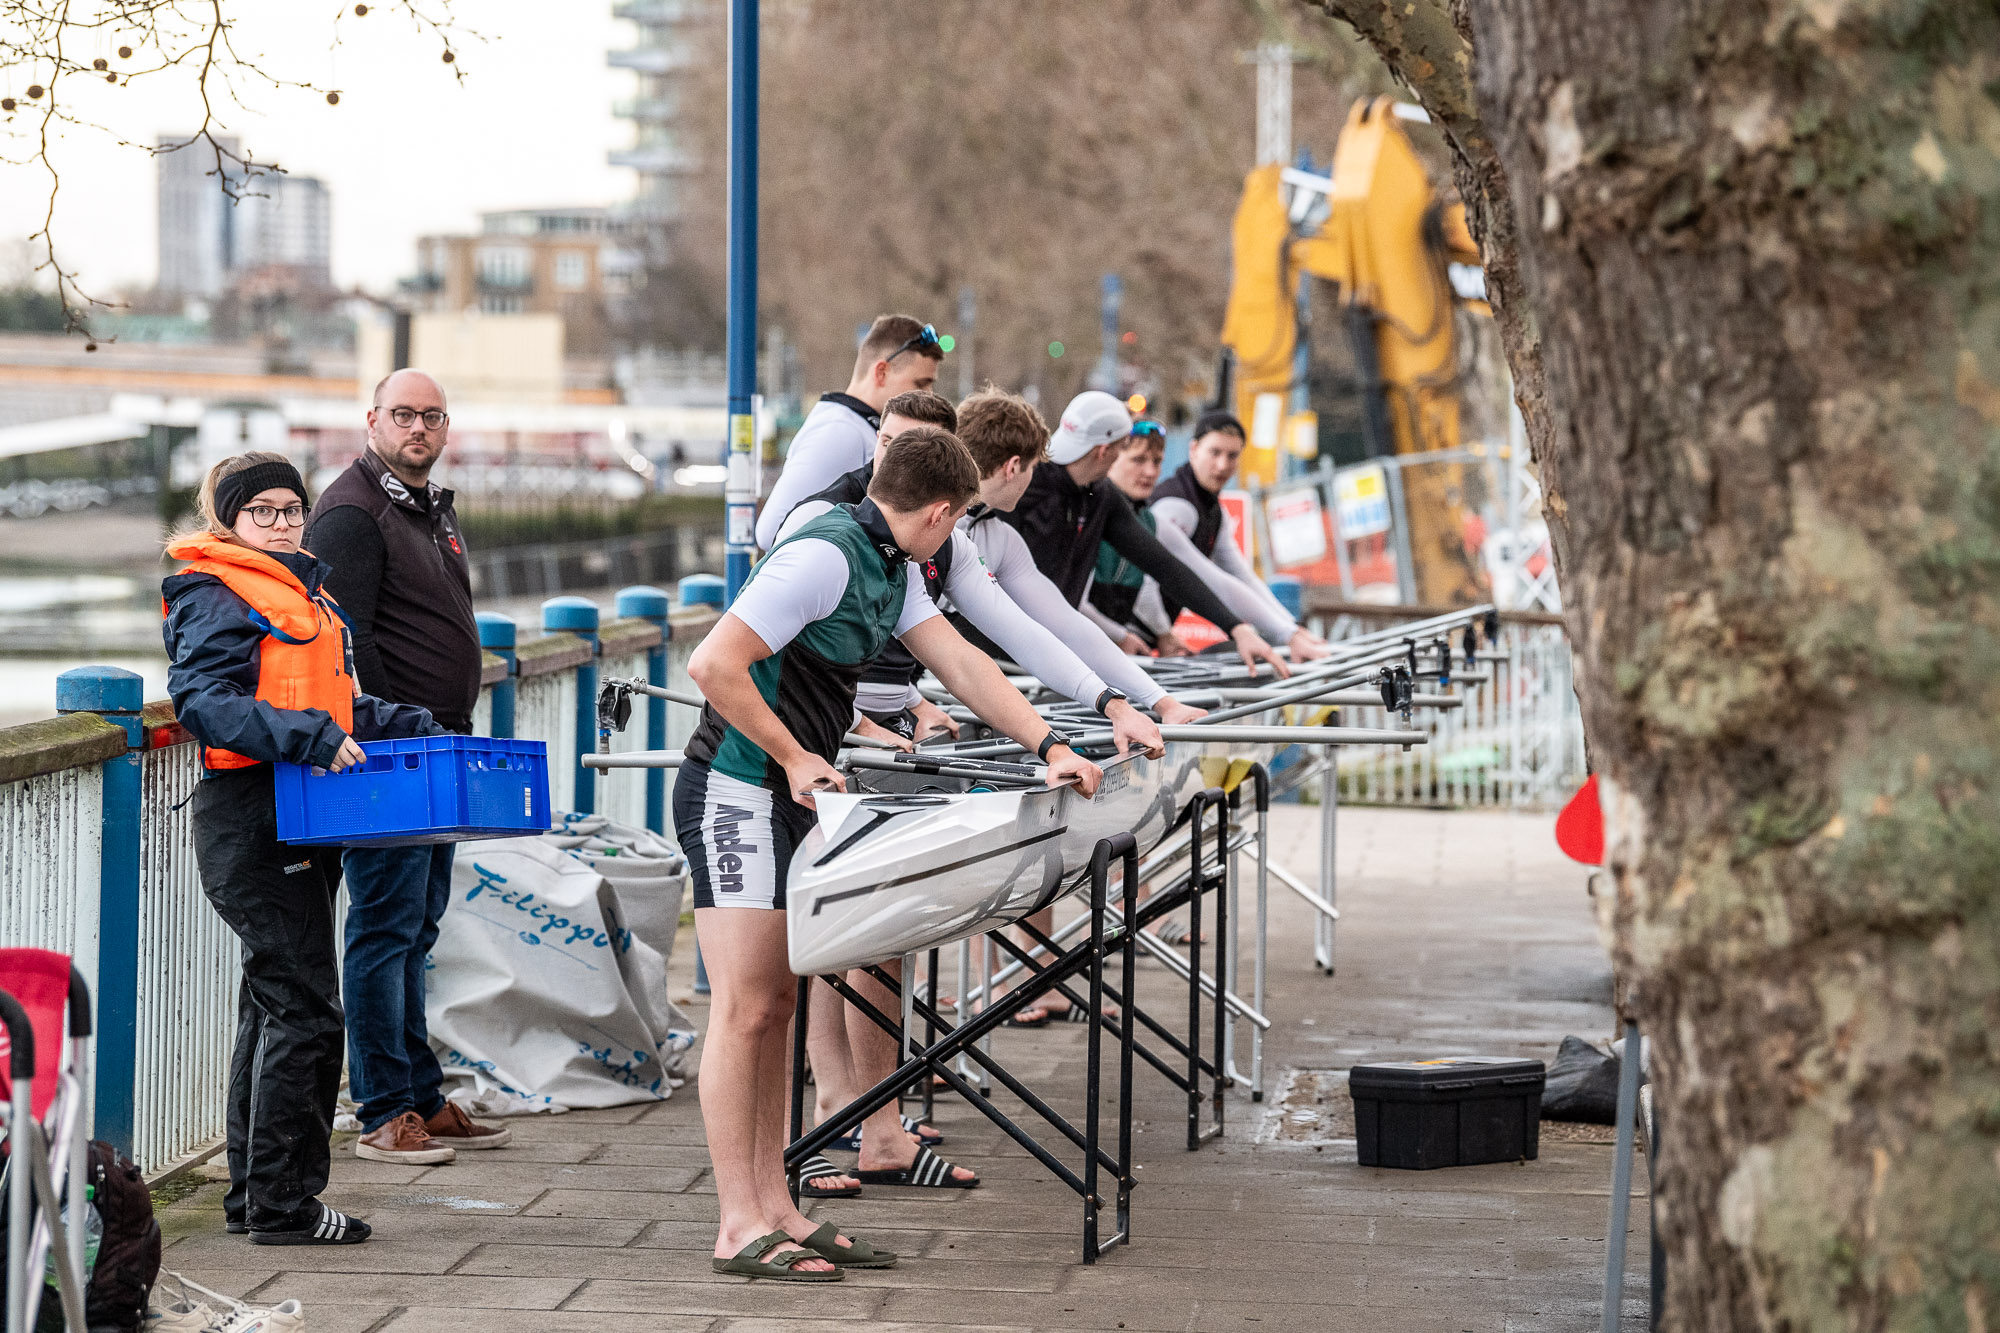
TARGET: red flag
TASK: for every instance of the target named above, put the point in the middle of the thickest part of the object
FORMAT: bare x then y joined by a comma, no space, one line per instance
1580,826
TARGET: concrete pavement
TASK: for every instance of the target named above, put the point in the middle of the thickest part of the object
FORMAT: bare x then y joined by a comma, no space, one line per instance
1461,932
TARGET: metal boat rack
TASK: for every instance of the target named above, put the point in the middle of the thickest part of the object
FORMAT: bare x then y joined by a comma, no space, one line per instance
1115,934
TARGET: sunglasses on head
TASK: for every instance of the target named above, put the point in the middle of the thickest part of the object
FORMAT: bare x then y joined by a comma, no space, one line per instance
927,338
1148,429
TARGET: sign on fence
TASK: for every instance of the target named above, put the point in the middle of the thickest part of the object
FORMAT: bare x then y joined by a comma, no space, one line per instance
1297,527
1361,498
1236,504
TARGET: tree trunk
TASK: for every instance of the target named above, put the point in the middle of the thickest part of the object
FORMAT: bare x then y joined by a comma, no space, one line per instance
1762,254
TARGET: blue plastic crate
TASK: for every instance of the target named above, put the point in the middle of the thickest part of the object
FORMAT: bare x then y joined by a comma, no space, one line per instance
424,790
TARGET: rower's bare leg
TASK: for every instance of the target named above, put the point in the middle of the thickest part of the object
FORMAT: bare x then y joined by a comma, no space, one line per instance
773,1134
834,1082
742,1082
885,1146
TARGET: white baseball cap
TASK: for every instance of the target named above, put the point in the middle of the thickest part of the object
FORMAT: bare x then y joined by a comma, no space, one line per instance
1093,418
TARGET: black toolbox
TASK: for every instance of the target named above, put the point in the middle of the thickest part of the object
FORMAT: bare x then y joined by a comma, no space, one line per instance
1421,1114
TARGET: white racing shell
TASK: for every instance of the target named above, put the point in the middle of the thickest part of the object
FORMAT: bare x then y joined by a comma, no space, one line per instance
880,876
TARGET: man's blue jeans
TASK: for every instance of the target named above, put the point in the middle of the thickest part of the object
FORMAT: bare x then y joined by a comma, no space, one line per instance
395,898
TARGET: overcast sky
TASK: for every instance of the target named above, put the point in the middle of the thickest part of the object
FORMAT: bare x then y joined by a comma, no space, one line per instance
409,151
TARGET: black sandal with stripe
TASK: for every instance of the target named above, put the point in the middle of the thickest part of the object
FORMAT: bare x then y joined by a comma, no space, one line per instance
928,1170
331,1227
817,1168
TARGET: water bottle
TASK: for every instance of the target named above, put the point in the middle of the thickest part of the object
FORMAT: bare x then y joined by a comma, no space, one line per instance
91,1239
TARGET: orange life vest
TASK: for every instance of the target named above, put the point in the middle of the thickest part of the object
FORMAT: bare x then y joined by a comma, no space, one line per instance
303,659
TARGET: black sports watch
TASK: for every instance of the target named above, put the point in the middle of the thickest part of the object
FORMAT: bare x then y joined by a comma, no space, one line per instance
1111,694
1050,742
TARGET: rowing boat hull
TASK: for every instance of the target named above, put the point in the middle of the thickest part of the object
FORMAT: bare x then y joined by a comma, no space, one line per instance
880,876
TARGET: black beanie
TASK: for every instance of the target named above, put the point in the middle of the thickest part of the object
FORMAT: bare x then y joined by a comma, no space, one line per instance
235,490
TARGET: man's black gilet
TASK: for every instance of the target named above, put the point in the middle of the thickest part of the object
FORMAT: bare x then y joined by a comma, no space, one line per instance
1207,517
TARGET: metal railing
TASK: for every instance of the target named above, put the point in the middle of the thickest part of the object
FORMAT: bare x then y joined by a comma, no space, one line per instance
97,857
1516,743
97,854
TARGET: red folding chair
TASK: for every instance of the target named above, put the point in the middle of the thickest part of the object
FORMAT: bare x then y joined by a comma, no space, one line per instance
45,1107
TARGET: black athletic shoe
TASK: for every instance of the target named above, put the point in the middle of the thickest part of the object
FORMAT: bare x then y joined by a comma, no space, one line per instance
234,1227
330,1227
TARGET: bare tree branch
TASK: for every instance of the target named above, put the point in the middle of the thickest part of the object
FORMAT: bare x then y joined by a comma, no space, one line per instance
38,37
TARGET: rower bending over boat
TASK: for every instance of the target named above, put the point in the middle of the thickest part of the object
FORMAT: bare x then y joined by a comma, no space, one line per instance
849,1053
779,671
1068,508
1009,438
1112,599
1192,524
1024,614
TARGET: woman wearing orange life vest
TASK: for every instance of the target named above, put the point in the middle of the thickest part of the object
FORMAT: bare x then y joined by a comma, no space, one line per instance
262,672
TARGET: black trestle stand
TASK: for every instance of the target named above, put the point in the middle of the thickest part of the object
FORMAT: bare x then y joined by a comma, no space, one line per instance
1048,967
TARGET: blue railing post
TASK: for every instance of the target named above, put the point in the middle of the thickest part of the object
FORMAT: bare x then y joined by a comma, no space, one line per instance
643,603
117,696
578,616
740,498
701,590
496,636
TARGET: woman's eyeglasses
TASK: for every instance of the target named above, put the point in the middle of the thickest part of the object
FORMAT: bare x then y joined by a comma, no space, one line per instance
266,516
405,417
926,340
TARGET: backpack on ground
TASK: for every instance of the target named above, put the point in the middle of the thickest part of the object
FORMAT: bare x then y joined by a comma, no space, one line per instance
128,1257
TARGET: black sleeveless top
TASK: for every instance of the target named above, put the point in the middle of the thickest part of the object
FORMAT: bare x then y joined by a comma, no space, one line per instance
1207,517
1207,506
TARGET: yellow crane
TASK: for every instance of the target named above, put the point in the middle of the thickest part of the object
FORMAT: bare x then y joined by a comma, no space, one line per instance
1387,243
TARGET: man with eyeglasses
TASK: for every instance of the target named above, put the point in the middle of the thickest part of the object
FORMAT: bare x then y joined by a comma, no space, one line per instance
400,574
897,355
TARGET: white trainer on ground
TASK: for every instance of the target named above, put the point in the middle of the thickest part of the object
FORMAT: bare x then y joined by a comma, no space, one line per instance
179,1304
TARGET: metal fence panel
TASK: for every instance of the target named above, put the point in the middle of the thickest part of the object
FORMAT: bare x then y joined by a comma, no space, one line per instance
189,971
621,793
1516,743
545,710
51,848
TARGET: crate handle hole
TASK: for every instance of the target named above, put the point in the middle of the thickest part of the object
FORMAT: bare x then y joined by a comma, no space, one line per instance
410,761
500,762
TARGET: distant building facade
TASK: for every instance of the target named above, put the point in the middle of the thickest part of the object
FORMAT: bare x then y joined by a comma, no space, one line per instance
196,220
276,233
284,228
660,59
569,262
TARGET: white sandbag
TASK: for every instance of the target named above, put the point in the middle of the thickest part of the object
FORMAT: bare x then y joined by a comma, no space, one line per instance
650,893
539,988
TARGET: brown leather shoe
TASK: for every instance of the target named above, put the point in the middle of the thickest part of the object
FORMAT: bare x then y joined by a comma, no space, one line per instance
403,1141
452,1125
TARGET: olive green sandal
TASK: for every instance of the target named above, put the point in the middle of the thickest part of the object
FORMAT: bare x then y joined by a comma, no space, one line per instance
750,1261
825,1242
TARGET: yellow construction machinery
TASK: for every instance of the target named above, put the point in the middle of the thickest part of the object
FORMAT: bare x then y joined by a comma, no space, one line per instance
1377,231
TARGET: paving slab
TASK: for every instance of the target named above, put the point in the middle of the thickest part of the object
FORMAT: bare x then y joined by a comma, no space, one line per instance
438,1319
1461,933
